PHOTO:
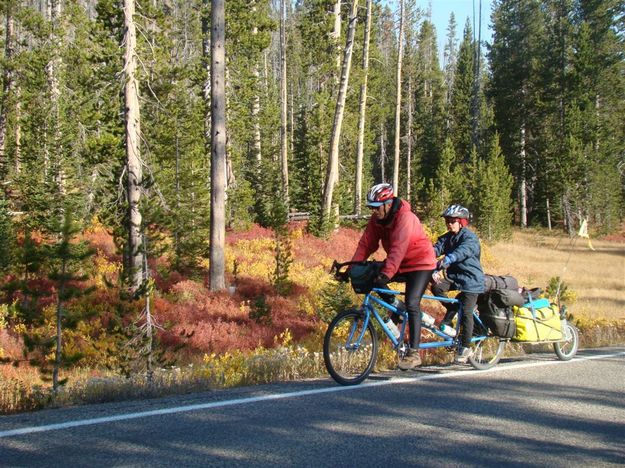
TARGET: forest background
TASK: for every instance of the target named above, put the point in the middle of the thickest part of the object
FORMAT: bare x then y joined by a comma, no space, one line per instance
108,125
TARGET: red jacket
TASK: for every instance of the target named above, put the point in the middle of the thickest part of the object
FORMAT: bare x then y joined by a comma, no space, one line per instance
406,245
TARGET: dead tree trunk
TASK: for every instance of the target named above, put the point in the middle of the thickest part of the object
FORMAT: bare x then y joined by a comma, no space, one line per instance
400,56
362,109
218,147
284,162
333,159
133,150
53,70
7,87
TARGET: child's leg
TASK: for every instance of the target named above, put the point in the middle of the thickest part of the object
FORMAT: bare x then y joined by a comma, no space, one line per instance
440,290
468,301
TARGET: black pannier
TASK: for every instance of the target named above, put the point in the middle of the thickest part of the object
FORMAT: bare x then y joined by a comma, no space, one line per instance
496,311
507,297
500,282
362,275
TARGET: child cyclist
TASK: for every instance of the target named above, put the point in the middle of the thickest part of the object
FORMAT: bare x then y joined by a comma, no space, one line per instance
409,256
459,269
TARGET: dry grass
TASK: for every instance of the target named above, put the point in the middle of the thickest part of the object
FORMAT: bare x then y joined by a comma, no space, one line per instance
596,276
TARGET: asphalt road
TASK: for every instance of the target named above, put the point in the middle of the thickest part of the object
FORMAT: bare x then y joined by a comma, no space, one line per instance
531,411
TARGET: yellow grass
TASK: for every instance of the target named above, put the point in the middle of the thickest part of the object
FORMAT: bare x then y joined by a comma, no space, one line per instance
596,276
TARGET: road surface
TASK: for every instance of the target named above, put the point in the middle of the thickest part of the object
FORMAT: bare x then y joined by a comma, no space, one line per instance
530,411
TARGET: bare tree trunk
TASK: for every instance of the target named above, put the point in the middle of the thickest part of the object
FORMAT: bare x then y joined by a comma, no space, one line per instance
177,248
284,162
333,159
336,35
256,105
53,69
400,56
383,151
362,109
475,98
218,147
133,150
523,182
18,129
7,87
409,141
548,215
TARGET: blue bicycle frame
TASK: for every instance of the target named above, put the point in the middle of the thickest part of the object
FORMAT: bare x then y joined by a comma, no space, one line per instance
445,340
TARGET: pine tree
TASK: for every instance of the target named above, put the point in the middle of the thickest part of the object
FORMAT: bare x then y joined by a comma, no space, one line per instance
461,97
440,188
492,203
515,88
429,114
66,258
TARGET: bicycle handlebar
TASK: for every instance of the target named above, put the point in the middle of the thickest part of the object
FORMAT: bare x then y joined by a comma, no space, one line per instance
342,276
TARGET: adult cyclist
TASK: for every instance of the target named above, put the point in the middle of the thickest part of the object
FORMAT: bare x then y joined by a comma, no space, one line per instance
409,256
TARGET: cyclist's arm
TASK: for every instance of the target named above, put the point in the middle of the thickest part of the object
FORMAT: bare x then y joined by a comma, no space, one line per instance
399,243
469,246
439,246
368,244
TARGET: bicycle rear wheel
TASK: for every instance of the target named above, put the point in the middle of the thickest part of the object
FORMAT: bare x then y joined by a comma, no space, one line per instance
349,349
487,352
565,350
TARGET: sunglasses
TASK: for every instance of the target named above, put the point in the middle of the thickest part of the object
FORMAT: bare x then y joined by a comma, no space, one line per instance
451,220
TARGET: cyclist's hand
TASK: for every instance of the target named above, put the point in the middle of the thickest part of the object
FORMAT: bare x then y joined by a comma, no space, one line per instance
438,276
381,281
342,276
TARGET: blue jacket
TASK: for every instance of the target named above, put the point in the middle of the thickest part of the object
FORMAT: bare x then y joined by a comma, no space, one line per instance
462,254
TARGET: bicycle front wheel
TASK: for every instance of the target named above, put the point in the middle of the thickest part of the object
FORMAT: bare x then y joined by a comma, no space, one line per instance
487,352
349,348
566,349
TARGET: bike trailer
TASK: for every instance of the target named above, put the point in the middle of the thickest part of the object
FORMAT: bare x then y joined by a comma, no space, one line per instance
537,320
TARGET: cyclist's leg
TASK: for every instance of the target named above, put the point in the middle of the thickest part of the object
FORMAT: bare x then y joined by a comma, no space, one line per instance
440,290
416,282
468,301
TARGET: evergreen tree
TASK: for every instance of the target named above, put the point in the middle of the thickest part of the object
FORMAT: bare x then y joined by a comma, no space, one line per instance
65,259
492,203
461,97
515,88
440,188
430,111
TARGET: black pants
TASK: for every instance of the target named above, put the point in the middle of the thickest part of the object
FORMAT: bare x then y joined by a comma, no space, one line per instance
468,301
416,282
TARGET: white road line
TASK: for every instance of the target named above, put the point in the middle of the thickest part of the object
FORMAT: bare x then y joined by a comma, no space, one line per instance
280,396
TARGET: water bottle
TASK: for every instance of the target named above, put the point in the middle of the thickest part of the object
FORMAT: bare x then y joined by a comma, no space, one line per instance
448,330
427,319
392,327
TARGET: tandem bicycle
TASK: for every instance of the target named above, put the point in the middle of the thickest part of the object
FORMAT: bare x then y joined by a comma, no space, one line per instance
350,347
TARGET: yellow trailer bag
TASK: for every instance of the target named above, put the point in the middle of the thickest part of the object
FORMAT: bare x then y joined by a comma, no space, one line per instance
543,325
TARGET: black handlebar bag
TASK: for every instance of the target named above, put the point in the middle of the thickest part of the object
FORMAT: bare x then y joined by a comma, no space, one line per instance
362,275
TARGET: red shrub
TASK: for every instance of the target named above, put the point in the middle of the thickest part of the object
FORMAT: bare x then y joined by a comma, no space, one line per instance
255,232
101,240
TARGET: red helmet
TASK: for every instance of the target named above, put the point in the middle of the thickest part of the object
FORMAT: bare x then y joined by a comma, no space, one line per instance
379,195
